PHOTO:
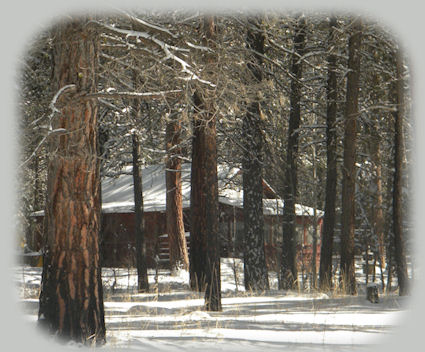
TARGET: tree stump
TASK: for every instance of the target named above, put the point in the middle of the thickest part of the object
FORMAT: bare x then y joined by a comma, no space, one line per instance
372,293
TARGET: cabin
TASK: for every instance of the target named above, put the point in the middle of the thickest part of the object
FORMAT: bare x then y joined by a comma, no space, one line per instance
117,220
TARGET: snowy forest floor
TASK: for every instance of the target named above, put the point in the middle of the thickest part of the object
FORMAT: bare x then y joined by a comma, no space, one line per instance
172,317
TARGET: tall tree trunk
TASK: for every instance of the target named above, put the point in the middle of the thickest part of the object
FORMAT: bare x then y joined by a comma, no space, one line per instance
174,207
377,209
288,269
139,233
205,250
213,280
348,277
374,146
71,299
255,269
198,243
400,252
325,270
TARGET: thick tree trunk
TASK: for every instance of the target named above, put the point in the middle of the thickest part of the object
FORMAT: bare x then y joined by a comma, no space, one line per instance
71,299
205,250
399,252
255,269
139,233
210,188
174,207
288,268
325,270
348,278
198,243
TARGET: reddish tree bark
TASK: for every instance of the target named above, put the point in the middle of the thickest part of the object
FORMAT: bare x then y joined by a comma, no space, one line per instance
71,299
204,241
198,244
174,207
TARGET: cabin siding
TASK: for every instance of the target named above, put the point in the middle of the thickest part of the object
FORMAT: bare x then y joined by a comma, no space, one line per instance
118,242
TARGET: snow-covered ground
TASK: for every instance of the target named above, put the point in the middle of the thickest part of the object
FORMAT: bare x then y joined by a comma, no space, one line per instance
172,317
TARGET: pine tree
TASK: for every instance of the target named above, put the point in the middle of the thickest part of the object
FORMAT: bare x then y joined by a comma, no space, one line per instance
400,252
348,277
71,299
255,270
198,245
174,206
139,233
325,271
288,269
205,249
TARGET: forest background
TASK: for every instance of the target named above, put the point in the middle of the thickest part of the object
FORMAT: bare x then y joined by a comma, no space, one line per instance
401,18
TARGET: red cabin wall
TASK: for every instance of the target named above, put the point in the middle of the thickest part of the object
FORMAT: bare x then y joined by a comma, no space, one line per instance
118,242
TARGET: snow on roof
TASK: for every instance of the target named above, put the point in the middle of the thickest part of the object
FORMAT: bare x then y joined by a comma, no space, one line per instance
118,197
270,206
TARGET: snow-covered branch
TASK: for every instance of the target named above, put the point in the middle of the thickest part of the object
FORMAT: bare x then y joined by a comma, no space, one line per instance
302,58
51,133
53,102
146,95
58,94
150,25
166,48
199,47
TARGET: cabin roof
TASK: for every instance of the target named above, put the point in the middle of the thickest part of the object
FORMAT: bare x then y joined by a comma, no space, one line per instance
117,192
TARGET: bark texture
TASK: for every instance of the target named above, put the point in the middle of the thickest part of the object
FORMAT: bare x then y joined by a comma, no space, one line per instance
205,250
255,269
288,266
348,278
377,209
198,241
325,270
139,233
71,299
174,207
